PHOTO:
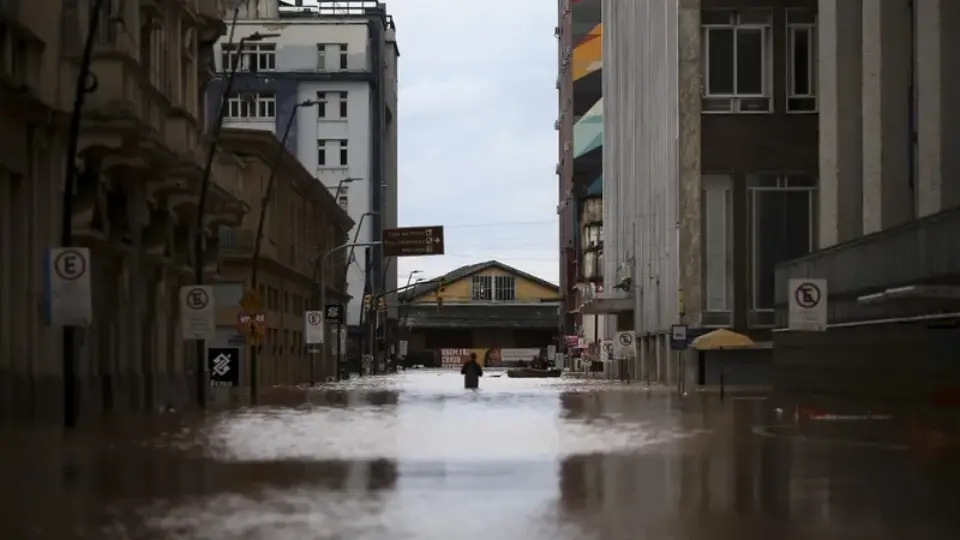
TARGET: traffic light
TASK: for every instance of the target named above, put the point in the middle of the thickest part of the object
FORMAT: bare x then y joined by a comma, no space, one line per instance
381,304
367,299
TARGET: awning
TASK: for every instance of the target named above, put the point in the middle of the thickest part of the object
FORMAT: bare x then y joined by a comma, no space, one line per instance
588,55
588,131
721,339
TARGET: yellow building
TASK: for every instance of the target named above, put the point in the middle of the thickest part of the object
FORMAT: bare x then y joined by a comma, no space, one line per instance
501,313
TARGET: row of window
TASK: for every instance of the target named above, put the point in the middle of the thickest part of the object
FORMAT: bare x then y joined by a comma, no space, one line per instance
263,105
782,218
256,57
282,301
738,61
494,288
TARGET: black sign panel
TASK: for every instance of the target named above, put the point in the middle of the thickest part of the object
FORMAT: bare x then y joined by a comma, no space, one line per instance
224,366
413,241
333,313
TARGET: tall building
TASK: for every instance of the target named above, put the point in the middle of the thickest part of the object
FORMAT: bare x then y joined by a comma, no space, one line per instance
889,201
710,167
580,166
341,55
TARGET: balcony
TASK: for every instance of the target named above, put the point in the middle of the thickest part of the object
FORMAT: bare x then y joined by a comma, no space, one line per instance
922,252
234,239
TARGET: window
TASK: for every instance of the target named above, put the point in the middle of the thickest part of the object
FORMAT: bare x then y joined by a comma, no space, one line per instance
322,160
344,64
801,61
737,55
321,57
782,215
254,57
344,154
343,201
490,288
252,106
343,105
717,211
321,105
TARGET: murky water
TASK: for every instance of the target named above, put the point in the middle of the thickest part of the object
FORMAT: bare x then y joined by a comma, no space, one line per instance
415,456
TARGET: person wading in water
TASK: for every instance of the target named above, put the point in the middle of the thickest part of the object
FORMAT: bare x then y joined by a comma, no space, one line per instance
471,371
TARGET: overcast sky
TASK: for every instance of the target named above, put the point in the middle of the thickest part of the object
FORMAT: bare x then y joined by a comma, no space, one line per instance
477,145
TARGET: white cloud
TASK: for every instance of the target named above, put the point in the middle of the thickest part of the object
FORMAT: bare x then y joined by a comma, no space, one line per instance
477,145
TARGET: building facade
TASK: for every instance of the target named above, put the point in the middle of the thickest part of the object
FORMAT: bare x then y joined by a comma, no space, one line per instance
341,55
889,220
140,157
302,221
710,164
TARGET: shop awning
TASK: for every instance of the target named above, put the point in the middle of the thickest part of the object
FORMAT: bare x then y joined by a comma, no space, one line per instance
722,339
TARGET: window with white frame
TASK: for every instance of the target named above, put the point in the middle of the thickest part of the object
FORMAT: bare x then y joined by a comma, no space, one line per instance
737,52
252,106
783,217
343,200
322,147
321,57
717,232
801,61
344,152
254,57
323,111
344,59
493,288
343,104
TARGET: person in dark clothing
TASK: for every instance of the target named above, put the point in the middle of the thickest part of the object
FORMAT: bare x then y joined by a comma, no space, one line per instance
471,371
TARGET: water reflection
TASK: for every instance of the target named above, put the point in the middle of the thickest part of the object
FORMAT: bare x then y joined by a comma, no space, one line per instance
416,456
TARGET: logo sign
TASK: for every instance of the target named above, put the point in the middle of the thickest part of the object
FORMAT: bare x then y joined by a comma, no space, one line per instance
808,305
68,292
313,327
224,366
413,241
679,337
623,346
333,313
197,312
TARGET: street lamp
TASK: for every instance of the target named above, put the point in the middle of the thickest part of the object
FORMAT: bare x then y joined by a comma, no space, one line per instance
347,180
86,83
258,242
205,188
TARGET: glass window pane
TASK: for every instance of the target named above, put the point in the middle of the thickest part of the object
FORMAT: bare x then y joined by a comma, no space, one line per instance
716,248
750,62
720,56
801,62
783,233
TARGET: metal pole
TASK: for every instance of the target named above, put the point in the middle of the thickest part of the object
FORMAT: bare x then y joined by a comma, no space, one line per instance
86,83
258,242
198,248
323,288
339,347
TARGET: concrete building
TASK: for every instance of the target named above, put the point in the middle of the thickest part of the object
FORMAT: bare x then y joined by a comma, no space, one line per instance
709,165
889,222
140,156
302,221
342,54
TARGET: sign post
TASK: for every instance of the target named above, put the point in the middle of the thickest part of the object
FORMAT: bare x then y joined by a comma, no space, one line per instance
413,241
197,312
69,296
224,366
807,305
333,313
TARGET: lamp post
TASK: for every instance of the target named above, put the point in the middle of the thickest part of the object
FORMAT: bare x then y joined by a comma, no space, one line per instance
258,242
400,330
198,246
347,180
321,283
86,84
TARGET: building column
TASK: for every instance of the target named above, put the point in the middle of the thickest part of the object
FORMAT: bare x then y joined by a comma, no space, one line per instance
938,114
888,191
841,144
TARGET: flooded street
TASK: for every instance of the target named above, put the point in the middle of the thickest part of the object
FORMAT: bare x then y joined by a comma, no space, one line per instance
415,456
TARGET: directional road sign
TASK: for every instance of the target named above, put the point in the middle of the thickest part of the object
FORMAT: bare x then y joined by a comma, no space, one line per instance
198,315
313,327
678,337
413,241
808,305
69,296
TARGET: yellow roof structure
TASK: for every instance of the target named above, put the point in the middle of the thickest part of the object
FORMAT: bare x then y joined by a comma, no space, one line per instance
721,339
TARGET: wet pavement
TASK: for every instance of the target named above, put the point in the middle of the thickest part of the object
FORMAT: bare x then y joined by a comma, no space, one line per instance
414,456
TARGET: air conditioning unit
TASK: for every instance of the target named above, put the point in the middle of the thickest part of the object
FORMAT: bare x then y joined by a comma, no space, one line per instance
556,31
556,125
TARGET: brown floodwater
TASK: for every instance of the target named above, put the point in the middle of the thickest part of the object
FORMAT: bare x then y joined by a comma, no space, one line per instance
414,456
